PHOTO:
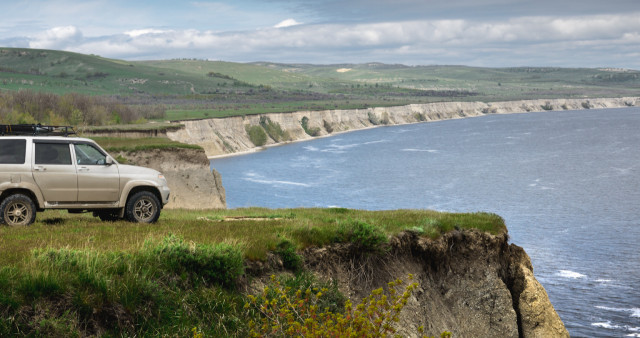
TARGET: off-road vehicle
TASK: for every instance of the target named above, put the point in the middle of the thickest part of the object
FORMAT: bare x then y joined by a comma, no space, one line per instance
43,167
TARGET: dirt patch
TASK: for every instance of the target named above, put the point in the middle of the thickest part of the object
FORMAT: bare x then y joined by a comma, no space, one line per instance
238,218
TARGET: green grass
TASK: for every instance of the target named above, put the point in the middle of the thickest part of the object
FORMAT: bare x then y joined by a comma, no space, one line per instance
226,110
62,72
153,126
257,230
257,135
73,275
115,144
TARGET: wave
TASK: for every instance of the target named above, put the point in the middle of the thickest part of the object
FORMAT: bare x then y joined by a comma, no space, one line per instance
342,148
608,325
420,150
603,280
635,312
400,131
255,178
276,182
570,274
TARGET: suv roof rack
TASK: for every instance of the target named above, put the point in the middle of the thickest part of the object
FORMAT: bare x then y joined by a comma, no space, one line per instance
35,129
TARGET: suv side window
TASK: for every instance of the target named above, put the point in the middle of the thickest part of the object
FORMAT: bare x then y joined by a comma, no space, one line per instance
12,151
52,153
87,154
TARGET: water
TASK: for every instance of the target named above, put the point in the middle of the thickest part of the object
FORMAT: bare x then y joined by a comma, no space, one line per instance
566,183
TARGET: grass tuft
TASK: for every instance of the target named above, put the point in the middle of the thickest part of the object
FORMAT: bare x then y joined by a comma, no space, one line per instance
364,236
286,249
218,264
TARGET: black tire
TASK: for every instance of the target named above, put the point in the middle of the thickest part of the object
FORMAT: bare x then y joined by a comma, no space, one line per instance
18,210
142,207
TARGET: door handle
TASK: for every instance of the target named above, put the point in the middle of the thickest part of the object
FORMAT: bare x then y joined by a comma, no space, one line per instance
40,168
83,169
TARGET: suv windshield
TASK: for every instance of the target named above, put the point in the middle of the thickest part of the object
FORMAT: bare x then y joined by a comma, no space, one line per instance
87,154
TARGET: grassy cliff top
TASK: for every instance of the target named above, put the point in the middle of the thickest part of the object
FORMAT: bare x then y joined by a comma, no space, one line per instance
73,275
115,144
255,230
131,128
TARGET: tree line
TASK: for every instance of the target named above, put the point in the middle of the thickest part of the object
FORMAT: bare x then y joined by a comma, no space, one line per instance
26,106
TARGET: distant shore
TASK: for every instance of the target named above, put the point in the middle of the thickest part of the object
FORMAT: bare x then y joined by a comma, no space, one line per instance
222,137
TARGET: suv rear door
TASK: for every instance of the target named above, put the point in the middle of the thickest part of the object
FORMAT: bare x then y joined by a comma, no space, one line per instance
54,172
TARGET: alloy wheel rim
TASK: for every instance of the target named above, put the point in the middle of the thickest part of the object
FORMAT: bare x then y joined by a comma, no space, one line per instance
143,209
17,213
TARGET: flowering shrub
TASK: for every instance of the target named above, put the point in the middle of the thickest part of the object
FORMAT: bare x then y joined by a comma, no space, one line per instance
282,311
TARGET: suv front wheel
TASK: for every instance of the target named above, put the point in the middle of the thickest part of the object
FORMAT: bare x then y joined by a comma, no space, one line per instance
143,207
17,209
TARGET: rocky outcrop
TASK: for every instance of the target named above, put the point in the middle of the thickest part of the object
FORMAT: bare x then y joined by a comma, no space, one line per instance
471,283
224,136
193,184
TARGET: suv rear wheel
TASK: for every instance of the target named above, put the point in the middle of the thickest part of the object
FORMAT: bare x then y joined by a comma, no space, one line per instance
17,209
143,207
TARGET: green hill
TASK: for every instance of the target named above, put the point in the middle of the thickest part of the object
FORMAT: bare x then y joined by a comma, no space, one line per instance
64,72
190,88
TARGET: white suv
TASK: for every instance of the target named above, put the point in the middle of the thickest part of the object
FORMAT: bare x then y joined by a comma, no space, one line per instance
41,172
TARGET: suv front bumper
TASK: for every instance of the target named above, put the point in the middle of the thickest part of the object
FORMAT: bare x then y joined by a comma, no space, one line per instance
164,192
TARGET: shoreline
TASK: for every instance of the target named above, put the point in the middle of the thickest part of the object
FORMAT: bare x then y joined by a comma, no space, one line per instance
273,145
225,137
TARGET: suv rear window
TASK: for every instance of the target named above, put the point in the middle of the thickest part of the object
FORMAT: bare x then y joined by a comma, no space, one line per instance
52,153
12,151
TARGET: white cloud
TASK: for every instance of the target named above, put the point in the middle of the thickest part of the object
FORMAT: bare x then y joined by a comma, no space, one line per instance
287,23
139,32
541,40
57,38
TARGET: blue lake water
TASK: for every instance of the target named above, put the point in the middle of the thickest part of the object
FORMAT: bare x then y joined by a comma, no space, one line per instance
566,183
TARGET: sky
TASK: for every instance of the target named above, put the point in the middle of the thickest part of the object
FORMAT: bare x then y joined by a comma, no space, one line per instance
483,33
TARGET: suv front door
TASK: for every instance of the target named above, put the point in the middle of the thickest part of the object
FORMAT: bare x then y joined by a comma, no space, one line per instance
98,181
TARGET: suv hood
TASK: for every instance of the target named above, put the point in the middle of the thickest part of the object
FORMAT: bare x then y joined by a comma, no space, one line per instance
135,170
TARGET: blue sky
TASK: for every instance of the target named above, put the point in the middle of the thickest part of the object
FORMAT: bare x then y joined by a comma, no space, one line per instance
495,33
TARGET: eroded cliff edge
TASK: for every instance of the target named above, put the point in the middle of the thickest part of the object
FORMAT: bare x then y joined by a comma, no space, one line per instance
472,283
193,184
225,136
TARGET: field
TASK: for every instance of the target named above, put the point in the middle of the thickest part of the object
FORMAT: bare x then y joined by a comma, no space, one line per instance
73,275
195,89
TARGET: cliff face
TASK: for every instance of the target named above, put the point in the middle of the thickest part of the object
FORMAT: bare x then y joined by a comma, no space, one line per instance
226,136
471,283
193,185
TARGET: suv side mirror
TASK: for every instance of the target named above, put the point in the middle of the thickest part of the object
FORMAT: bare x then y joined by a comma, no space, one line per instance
109,160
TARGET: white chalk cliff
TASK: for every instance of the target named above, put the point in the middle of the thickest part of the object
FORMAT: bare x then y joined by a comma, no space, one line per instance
225,136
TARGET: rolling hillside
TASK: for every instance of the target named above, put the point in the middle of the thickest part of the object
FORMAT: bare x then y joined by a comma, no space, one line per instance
190,88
